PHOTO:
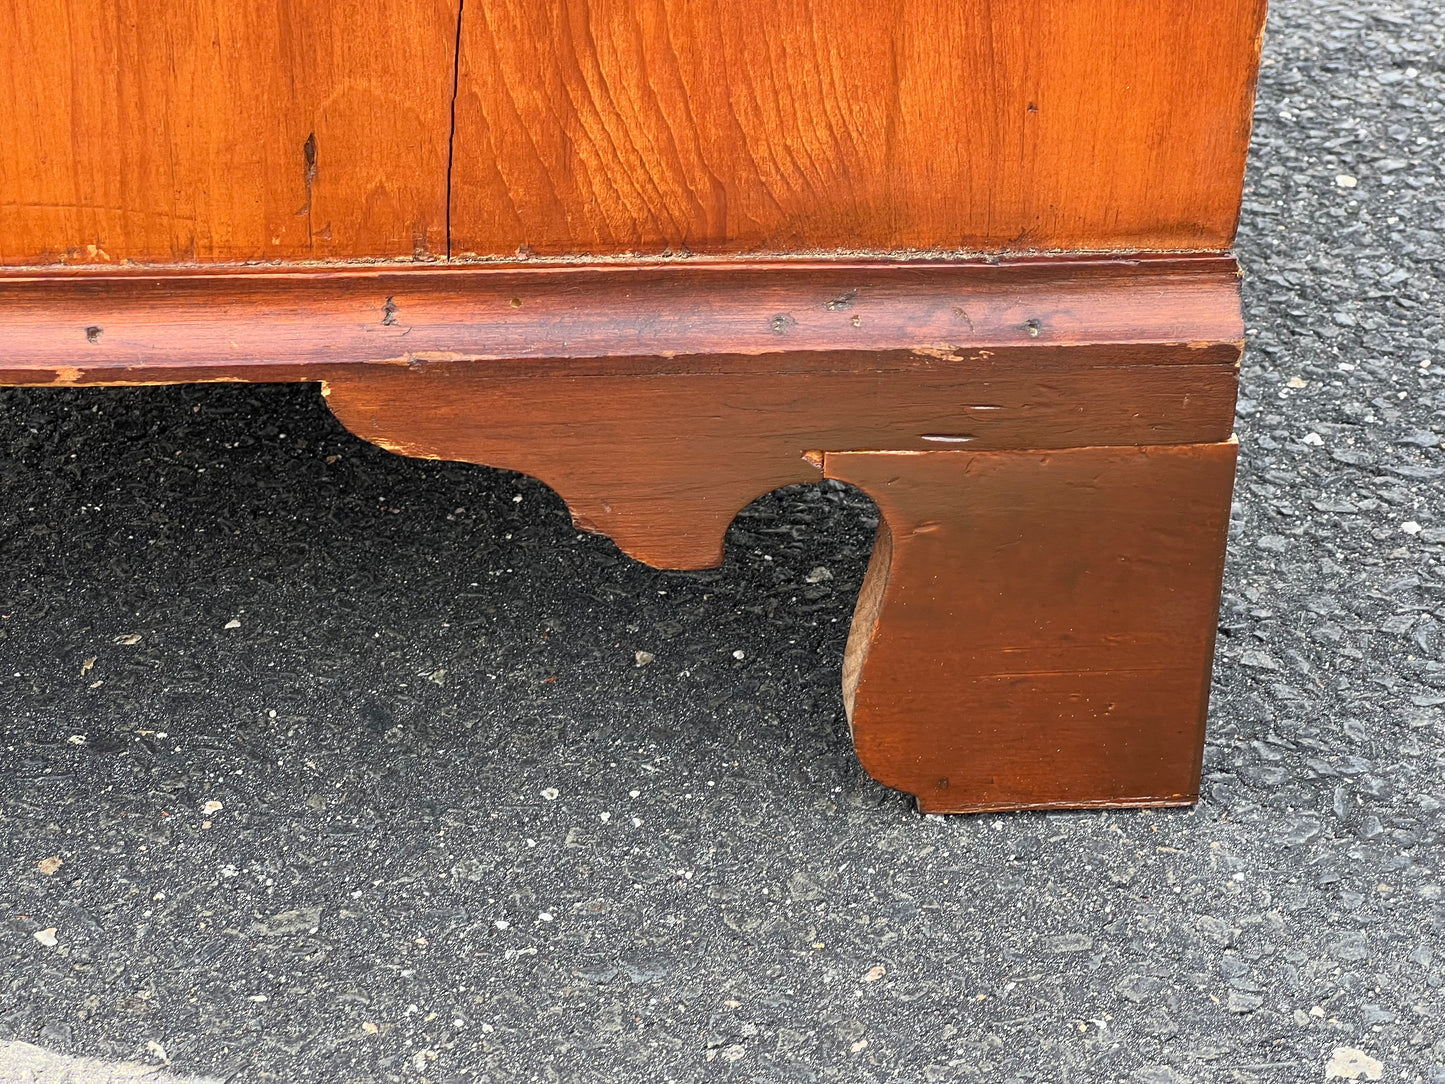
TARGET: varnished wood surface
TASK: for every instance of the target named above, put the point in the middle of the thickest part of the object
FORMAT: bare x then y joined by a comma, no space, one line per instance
179,131
661,462
166,131
618,126
77,326
660,401
1037,628
1037,622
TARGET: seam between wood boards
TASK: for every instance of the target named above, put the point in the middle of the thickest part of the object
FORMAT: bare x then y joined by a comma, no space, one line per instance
452,131
834,453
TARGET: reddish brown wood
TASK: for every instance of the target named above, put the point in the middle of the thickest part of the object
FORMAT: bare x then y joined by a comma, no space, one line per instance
1037,628
168,131
200,130
661,462
80,326
660,401
1036,625
635,126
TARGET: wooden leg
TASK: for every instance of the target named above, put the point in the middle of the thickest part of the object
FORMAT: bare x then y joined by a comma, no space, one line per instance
1036,629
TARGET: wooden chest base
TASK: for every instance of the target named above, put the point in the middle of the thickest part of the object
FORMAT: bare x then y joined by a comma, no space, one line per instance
1048,442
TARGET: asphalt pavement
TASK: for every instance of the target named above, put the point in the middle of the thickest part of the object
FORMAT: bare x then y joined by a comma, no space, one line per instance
323,765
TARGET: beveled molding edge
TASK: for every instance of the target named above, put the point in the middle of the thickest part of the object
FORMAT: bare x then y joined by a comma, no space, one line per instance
74,326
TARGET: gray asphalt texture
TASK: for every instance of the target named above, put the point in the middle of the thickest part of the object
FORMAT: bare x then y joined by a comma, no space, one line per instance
461,835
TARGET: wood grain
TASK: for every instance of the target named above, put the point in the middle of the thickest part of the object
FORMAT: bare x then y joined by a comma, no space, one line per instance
728,126
175,131
1037,622
223,130
660,401
662,462
1037,628
80,326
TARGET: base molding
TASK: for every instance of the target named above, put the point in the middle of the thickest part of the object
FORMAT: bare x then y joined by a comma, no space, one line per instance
1048,441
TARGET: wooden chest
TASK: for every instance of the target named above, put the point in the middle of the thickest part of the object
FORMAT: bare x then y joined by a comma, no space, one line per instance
971,256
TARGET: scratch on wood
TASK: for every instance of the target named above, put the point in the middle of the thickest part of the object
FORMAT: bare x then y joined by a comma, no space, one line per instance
401,447
68,376
583,523
108,383
941,351
420,358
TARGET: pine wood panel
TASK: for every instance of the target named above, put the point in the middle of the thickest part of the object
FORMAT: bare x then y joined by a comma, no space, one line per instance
621,126
181,130
1036,629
